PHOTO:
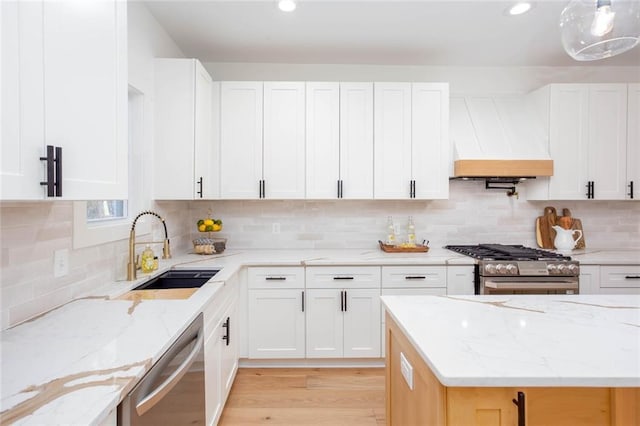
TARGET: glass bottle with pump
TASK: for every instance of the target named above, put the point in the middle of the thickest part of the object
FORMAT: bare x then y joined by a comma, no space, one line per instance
411,233
391,232
146,260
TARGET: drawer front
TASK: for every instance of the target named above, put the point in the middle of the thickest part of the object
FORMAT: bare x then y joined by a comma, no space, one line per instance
343,277
620,276
276,277
414,277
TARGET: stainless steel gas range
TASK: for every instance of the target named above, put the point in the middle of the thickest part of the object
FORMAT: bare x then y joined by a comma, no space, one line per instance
515,269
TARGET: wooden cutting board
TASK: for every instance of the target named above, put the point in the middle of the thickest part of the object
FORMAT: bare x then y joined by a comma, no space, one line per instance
544,228
575,224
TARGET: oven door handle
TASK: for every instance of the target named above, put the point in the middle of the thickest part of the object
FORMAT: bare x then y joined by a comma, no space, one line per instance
158,393
532,285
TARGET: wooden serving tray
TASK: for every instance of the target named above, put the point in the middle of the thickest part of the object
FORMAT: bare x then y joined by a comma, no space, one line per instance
397,249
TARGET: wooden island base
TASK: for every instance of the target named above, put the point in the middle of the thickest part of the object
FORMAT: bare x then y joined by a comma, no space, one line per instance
431,403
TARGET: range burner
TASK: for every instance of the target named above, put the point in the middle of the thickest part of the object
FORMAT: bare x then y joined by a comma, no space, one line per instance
506,252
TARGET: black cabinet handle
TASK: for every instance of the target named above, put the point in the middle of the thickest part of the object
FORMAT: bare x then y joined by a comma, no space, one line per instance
632,277
264,189
342,278
412,189
415,277
345,301
593,190
49,183
276,278
302,300
341,190
631,189
58,161
199,192
520,403
227,336
341,301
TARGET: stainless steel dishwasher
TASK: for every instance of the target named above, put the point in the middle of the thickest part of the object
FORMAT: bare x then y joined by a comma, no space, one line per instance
172,392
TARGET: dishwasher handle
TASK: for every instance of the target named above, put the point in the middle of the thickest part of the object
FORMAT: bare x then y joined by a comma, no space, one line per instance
158,393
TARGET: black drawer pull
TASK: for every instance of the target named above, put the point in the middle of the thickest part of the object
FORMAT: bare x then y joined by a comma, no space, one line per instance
199,192
415,277
302,300
632,277
276,278
520,403
50,182
227,336
342,278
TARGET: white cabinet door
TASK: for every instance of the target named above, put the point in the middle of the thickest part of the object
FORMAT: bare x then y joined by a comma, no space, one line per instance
324,308
356,140
361,327
183,91
633,142
276,323
607,163
460,280
229,360
85,95
284,144
241,139
213,347
589,279
70,92
322,140
568,127
392,140
430,140
22,93
207,143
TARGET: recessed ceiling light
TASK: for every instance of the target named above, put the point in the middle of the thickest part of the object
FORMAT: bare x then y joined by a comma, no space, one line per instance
287,5
519,8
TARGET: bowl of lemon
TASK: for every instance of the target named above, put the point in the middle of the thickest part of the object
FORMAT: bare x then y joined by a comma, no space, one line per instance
209,244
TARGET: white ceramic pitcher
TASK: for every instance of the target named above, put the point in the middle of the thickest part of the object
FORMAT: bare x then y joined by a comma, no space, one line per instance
564,238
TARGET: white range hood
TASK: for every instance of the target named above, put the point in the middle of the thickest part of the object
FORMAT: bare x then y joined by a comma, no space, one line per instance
498,136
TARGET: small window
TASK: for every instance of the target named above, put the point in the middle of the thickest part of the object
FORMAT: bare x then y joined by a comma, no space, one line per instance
103,210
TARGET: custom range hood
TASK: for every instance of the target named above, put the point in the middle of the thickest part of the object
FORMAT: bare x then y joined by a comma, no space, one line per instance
499,139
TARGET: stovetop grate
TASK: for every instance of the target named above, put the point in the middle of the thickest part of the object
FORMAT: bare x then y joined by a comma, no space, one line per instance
506,252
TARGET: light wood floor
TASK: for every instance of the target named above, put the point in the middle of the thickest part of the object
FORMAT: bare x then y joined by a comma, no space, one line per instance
306,396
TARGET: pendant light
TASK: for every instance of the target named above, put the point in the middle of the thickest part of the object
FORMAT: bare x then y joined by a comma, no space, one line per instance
598,29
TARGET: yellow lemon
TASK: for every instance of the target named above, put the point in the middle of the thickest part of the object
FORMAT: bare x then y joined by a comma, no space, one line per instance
202,227
216,227
208,222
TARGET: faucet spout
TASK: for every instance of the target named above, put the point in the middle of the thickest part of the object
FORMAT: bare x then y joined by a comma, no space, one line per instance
132,265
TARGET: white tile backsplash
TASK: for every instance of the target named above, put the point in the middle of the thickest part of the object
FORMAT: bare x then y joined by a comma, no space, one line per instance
31,232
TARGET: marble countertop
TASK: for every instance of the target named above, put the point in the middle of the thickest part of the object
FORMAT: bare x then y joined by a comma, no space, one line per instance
524,340
74,364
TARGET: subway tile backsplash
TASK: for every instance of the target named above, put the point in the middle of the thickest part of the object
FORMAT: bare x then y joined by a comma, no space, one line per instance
32,231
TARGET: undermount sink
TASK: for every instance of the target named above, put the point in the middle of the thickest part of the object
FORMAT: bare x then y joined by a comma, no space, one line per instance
181,278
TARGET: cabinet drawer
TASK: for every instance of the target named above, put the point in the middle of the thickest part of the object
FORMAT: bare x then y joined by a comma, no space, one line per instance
620,276
276,277
343,277
414,277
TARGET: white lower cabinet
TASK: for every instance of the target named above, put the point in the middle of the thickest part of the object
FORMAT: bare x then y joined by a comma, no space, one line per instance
589,279
220,349
618,279
343,312
411,281
460,280
276,304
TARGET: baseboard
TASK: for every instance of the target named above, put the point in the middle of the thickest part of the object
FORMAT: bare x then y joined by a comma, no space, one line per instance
313,363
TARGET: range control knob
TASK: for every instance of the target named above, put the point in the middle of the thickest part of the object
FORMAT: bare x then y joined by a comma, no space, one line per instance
490,268
501,269
552,268
512,269
562,269
573,269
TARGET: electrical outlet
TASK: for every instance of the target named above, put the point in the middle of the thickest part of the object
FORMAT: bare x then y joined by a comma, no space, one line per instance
60,263
275,228
407,370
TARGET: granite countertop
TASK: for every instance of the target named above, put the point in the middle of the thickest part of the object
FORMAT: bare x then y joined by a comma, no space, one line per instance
524,340
74,364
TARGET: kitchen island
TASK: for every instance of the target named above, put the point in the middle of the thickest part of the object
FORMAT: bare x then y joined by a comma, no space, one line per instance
496,360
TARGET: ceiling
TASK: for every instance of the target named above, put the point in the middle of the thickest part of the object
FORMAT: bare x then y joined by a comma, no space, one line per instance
418,32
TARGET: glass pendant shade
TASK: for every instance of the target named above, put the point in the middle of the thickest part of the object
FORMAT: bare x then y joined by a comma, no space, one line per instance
598,29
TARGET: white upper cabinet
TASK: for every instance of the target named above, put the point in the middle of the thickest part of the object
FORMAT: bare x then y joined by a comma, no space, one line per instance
183,131
323,140
587,141
430,140
356,140
262,140
64,81
411,140
284,144
633,142
339,140
241,140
